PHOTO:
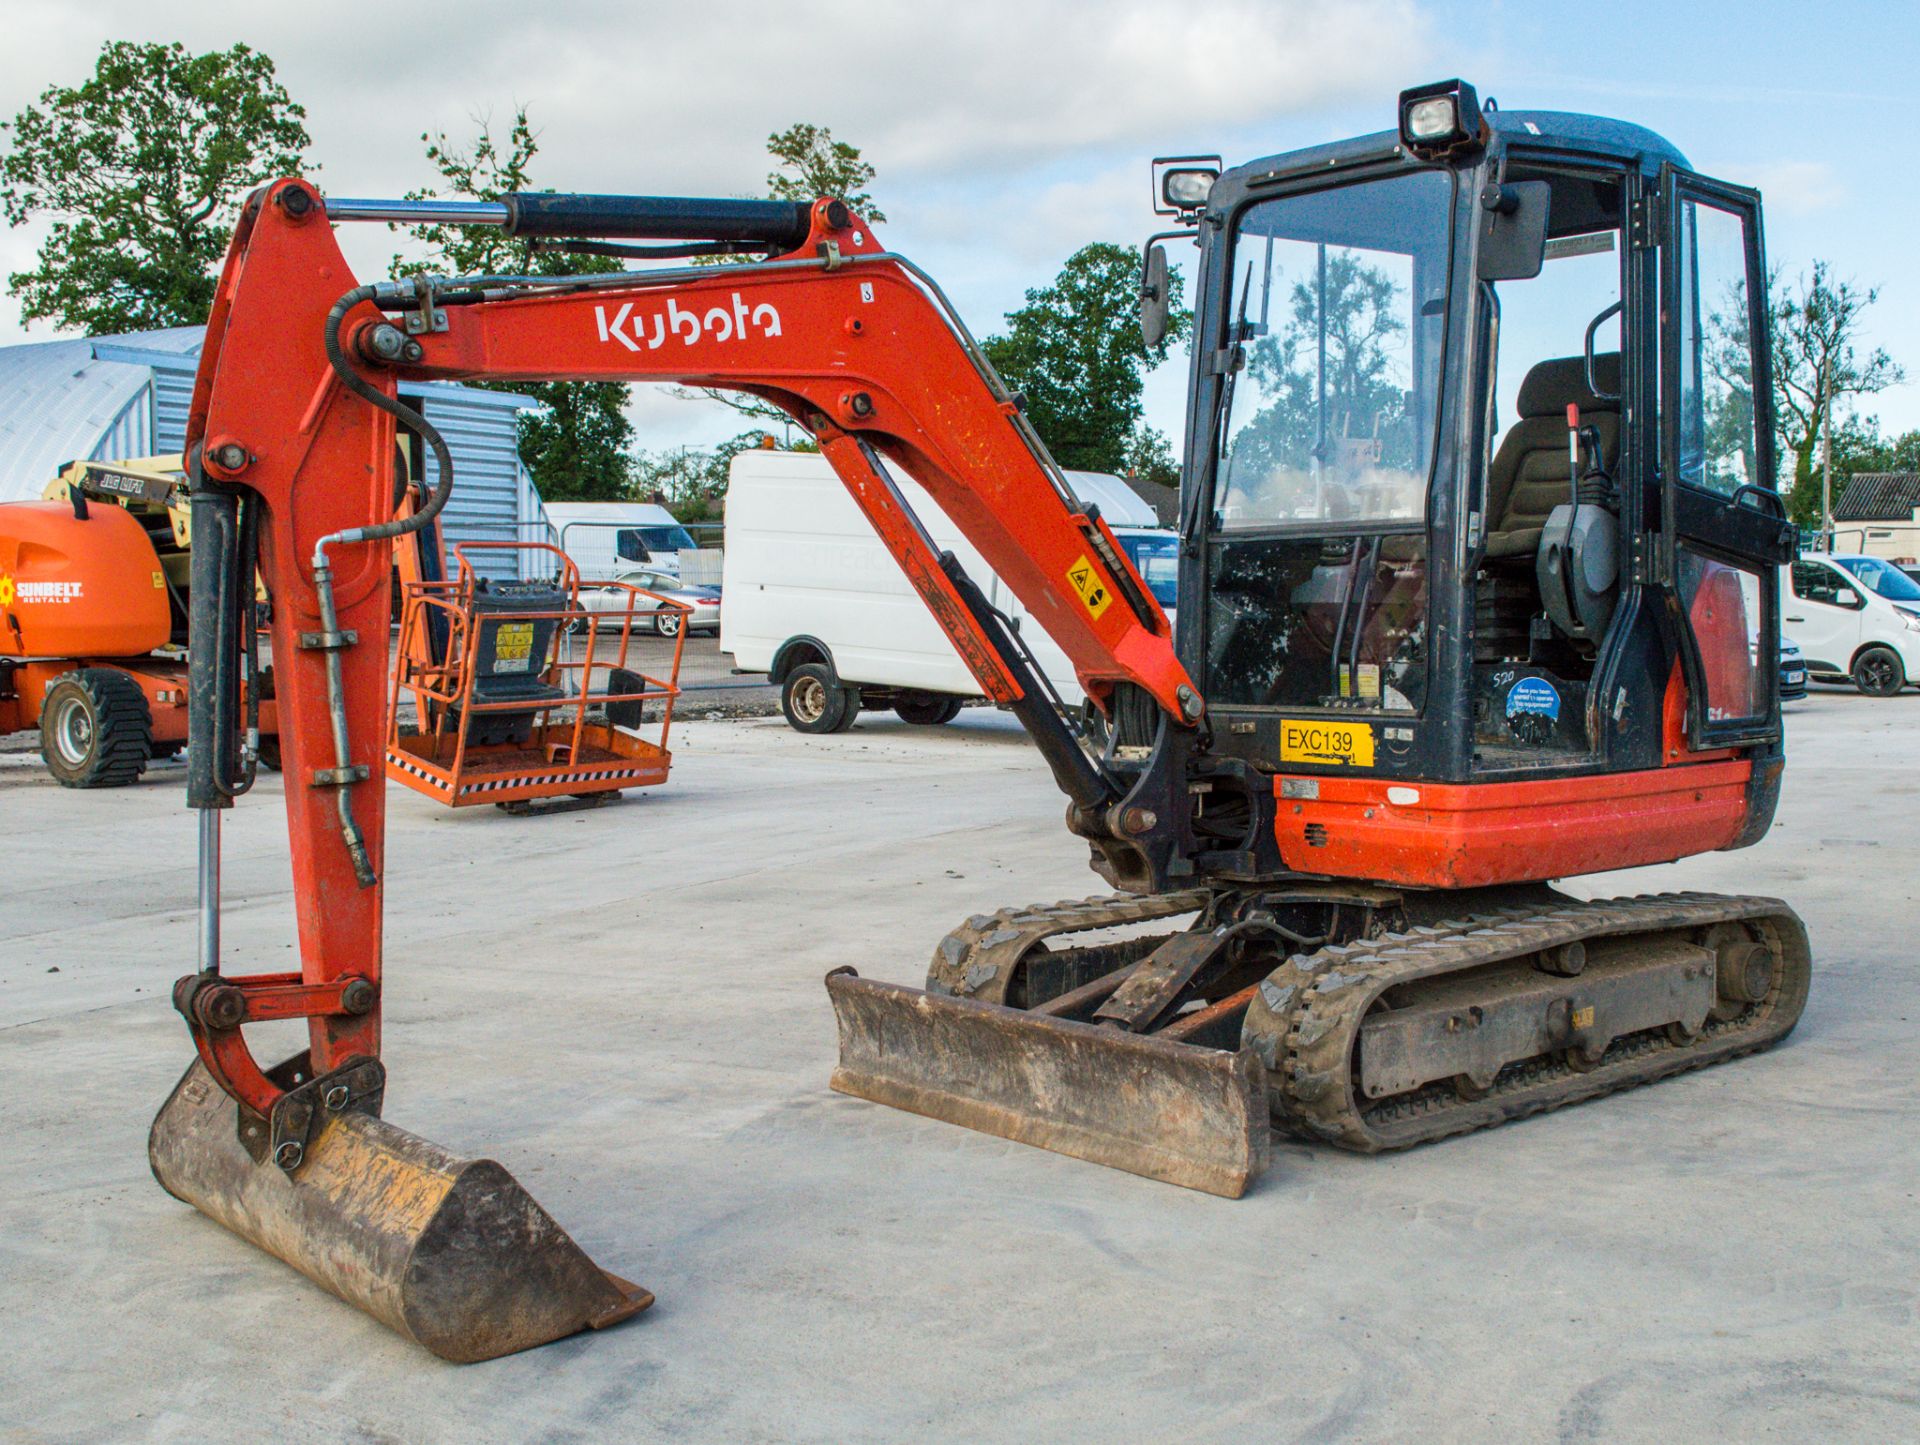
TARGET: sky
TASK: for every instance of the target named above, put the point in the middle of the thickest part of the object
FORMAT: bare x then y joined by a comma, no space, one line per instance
1008,133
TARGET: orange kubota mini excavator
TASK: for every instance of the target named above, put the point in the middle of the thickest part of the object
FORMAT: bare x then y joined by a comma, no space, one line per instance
1477,591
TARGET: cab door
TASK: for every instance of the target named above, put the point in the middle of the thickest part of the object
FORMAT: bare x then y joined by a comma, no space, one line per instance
1724,532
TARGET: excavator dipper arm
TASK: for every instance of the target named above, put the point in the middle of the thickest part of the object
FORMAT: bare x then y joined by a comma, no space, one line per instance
291,444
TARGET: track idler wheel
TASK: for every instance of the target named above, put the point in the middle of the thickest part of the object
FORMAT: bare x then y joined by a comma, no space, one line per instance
450,1252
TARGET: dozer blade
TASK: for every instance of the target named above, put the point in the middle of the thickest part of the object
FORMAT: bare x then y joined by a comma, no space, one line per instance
450,1252
1177,1112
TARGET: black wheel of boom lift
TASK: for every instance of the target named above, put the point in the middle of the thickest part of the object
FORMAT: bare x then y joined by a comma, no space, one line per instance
928,711
95,729
1878,672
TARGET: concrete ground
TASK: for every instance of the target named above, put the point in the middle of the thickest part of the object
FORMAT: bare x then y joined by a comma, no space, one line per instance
708,683
625,1007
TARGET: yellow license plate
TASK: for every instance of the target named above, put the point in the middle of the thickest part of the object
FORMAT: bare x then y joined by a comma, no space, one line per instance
1348,744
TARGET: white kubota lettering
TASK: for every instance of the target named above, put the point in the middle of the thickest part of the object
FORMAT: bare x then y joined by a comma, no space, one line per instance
719,323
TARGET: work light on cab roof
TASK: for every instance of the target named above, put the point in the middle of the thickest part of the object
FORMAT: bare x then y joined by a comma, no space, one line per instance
1436,119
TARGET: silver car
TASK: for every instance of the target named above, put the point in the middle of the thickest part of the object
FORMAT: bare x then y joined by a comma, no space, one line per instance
651,613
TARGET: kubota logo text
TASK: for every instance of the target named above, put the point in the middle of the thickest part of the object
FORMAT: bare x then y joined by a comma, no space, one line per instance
721,323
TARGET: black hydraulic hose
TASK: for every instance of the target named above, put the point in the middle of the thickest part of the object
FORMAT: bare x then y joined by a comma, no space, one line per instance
1340,624
246,570
1077,775
332,640
400,412
1360,619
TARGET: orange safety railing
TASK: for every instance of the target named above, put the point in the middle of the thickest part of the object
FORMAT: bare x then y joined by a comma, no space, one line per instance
569,750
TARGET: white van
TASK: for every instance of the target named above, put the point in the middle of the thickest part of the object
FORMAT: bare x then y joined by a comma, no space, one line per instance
603,537
1854,617
815,600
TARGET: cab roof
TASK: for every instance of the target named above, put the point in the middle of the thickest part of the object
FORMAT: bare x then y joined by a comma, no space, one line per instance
1553,130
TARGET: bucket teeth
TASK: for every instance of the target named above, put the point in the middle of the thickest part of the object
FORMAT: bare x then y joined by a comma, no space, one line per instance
450,1252
1190,1116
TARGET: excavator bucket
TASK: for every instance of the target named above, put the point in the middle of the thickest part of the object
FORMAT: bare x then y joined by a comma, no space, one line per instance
1171,1111
450,1252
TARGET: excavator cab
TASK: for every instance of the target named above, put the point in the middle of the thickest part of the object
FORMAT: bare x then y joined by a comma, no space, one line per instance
1443,528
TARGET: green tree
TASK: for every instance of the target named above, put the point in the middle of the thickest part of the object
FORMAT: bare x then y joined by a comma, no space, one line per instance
813,164
1149,457
1362,395
1075,352
1859,446
810,164
141,169
577,445
692,481
1817,356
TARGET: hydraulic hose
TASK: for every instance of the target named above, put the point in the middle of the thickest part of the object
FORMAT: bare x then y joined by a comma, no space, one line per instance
333,642
1360,624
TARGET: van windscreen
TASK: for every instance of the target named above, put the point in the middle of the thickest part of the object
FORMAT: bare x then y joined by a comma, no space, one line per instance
1157,559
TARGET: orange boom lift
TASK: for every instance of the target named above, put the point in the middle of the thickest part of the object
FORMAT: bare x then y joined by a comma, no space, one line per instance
1417,676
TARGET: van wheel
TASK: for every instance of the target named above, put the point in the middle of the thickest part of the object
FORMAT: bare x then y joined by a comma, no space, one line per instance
1878,672
815,703
95,729
928,711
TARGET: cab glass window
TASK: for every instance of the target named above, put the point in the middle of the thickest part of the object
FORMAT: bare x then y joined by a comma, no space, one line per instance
1339,301
1718,449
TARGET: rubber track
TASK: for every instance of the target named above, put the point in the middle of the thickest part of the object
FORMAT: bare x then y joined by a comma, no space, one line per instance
977,960
1305,1022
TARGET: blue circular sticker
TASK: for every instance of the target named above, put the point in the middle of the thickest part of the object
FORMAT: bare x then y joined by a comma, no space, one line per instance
1533,695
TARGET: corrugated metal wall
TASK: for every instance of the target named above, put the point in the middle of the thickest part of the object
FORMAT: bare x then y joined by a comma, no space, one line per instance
172,394
130,434
483,437
481,431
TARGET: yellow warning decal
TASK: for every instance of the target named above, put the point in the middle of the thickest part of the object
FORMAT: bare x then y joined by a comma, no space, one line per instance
1346,744
1583,1017
1088,587
159,581
513,647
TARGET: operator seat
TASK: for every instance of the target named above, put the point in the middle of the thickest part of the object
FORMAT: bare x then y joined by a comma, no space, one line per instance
1529,478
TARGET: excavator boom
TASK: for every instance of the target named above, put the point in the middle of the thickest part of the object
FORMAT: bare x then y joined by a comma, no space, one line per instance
291,440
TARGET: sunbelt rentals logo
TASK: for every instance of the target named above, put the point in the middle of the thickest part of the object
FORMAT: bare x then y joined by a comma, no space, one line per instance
55,592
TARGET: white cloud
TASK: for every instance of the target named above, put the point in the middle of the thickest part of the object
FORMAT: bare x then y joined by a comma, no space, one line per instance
1007,132
1795,188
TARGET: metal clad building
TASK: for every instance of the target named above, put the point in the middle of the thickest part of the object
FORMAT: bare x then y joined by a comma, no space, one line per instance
127,396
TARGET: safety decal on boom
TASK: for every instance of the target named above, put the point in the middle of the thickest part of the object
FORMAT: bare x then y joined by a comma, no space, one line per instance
1088,587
